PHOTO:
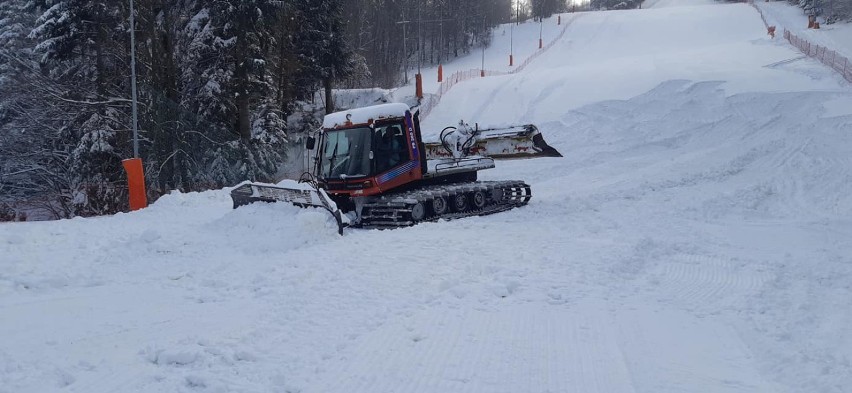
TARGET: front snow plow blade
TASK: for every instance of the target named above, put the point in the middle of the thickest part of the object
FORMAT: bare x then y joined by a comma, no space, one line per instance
505,143
299,194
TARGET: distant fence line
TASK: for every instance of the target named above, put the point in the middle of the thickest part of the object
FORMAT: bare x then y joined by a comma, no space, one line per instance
759,11
461,76
828,57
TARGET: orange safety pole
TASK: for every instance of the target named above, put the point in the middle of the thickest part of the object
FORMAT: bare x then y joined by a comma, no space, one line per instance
135,183
482,73
540,43
440,73
511,60
418,83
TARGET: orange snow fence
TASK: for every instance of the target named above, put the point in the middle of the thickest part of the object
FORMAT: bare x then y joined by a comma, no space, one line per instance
135,183
828,57
460,76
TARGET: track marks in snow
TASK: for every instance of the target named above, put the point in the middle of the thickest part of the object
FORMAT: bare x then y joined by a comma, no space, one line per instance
593,346
705,282
516,347
543,96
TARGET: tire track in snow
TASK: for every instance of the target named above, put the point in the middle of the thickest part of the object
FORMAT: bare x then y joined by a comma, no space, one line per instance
706,282
488,102
542,96
517,347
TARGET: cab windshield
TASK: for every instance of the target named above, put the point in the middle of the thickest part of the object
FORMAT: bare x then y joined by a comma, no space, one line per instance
346,153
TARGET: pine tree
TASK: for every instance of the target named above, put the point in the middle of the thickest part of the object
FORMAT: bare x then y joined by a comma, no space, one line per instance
231,49
35,149
323,54
82,43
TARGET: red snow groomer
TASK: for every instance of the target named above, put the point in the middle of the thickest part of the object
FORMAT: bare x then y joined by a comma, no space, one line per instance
371,169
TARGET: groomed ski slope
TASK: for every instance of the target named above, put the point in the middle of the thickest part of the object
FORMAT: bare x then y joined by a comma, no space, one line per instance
696,237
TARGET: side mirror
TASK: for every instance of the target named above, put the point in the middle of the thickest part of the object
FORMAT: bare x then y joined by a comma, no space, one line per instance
309,143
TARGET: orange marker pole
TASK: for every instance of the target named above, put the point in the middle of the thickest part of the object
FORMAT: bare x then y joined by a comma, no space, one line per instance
440,73
418,81
135,183
511,60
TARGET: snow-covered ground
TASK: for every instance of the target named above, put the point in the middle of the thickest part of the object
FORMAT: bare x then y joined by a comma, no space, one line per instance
521,40
837,36
696,237
675,3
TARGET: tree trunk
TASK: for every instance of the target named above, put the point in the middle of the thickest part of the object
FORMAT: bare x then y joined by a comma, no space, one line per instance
329,98
243,120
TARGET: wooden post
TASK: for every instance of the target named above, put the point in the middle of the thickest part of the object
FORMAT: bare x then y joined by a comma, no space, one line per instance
135,183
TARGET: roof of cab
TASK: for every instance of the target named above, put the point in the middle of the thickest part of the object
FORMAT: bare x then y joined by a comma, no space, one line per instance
364,115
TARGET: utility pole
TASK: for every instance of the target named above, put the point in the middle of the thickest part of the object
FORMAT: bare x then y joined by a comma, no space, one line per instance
133,80
404,24
482,72
137,196
419,36
512,41
418,79
540,26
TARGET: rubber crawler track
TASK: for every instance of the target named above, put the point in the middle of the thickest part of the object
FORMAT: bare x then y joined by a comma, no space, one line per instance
401,210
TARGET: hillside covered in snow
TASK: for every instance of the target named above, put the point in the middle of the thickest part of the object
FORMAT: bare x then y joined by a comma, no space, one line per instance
695,237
